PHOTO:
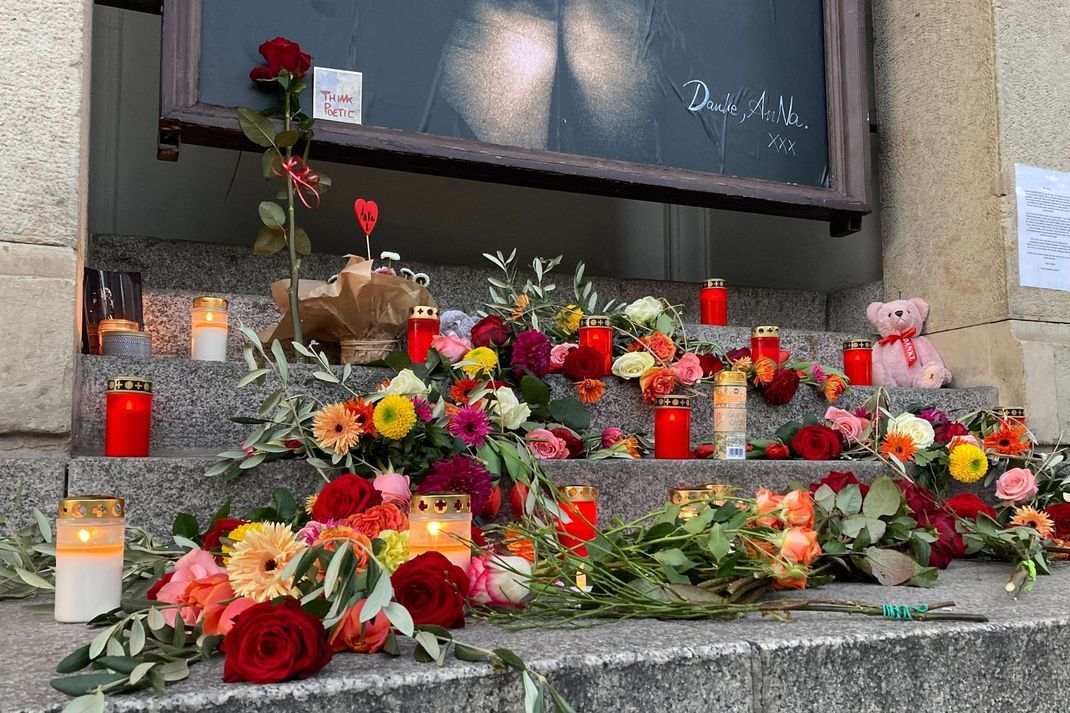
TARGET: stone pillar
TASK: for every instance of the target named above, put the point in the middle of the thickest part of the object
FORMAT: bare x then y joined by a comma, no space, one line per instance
45,48
966,89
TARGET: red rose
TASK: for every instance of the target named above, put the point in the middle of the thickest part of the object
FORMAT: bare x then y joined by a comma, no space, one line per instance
777,451
344,496
1060,514
735,355
948,430
968,506
816,443
220,528
918,498
572,441
274,642
710,363
160,583
781,389
584,363
703,451
433,590
281,54
491,331
949,544
838,480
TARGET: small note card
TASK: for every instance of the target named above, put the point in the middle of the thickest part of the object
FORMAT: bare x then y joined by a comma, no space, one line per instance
338,95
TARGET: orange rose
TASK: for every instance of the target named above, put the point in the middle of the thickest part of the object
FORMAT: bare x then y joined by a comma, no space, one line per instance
660,346
215,597
767,503
378,518
219,618
800,509
362,637
789,576
657,381
799,546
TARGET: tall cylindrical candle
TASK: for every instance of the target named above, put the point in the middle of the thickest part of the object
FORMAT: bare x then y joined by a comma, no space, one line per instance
858,361
690,499
580,503
424,325
210,322
441,522
596,332
672,427
128,417
713,302
89,557
1015,414
730,415
109,325
765,342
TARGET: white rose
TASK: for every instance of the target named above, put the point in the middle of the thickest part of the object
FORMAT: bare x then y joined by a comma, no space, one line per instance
917,429
406,383
632,364
508,409
644,311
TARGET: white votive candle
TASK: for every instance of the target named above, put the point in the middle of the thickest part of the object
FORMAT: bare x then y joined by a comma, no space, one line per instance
441,522
89,557
209,333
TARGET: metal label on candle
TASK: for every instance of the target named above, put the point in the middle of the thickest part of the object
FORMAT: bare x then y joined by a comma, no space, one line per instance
766,331
1016,412
858,344
423,312
91,506
219,303
672,402
579,493
440,503
594,320
129,384
713,282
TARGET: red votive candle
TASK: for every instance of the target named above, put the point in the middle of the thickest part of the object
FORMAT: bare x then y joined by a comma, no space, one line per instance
858,361
1015,414
423,326
580,502
765,342
597,333
128,417
672,427
713,302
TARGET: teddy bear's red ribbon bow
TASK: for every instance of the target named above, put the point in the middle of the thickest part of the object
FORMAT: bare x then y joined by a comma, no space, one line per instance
909,352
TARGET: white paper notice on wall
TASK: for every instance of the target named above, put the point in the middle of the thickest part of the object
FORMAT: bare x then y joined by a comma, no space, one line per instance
339,95
1043,227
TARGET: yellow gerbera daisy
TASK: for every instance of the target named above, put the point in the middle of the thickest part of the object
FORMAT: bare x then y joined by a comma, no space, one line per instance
255,569
482,361
1036,519
568,318
396,551
237,535
968,463
336,428
394,417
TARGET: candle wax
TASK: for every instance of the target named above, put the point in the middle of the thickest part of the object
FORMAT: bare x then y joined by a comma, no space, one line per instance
209,343
88,582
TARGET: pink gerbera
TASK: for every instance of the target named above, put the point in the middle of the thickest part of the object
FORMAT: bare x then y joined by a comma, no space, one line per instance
470,425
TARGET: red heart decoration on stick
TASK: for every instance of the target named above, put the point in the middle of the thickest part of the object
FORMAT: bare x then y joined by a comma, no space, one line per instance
367,213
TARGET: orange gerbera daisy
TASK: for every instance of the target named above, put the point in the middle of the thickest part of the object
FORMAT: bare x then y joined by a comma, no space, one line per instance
1012,439
519,306
590,390
335,428
899,445
834,387
363,412
764,369
462,390
631,445
1036,519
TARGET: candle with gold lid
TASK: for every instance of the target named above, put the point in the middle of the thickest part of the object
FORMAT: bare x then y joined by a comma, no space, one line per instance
111,325
580,503
858,361
765,342
441,522
128,417
713,302
672,427
209,332
1011,413
691,500
90,535
596,331
424,325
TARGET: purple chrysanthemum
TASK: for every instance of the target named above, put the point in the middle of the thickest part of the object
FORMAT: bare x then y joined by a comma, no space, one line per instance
460,474
423,409
471,425
531,353
933,415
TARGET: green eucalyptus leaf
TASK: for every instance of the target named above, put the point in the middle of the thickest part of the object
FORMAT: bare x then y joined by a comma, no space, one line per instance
511,660
74,661
84,683
33,579
42,525
252,376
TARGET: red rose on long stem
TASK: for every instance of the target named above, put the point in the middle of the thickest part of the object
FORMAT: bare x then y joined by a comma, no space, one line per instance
274,642
346,495
433,590
816,443
281,54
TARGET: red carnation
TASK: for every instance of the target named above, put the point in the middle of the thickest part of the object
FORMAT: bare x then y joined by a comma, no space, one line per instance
491,331
735,355
781,389
816,443
968,506
344,496
584,363
281,55
948,430
703,451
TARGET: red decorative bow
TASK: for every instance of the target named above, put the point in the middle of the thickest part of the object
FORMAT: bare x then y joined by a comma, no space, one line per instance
303,178
909,351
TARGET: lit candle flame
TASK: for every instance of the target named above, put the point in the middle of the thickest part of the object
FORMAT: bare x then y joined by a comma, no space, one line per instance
84,535
433,528
208,317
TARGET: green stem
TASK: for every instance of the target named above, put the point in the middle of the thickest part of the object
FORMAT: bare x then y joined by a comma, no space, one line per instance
291,241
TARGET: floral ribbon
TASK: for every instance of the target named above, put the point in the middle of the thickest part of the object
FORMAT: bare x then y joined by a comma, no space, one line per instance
908,344
303,178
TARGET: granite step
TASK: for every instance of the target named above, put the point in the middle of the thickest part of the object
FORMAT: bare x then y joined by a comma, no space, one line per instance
816,663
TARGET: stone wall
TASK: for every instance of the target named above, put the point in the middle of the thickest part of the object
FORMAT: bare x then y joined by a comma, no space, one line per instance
44,47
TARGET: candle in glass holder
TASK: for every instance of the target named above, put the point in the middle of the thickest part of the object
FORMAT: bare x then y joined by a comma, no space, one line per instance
128,417
424,325
713,302
730,415
1015,414
109,325
858,361
596,332
672,427
580,503
441,522
89,557
690,499
210,322
765,342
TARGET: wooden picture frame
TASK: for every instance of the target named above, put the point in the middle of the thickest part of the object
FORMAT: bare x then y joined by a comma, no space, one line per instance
183,119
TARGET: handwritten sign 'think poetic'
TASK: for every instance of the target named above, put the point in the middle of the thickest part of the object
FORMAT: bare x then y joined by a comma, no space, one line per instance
338,95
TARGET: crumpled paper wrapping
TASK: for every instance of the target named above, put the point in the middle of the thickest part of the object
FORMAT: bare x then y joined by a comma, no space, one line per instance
360,304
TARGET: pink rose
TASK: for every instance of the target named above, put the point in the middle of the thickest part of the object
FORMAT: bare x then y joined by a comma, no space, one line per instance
498,580
451,346
194,565
394,488
846,423
1016,486
546,446
611,437
960,440
687,369
558,354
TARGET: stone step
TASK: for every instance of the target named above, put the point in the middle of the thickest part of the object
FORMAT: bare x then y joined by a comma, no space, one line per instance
193,401
158,488
817,663
194,268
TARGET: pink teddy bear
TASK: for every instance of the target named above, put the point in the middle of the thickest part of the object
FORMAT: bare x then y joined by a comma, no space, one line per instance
900,357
